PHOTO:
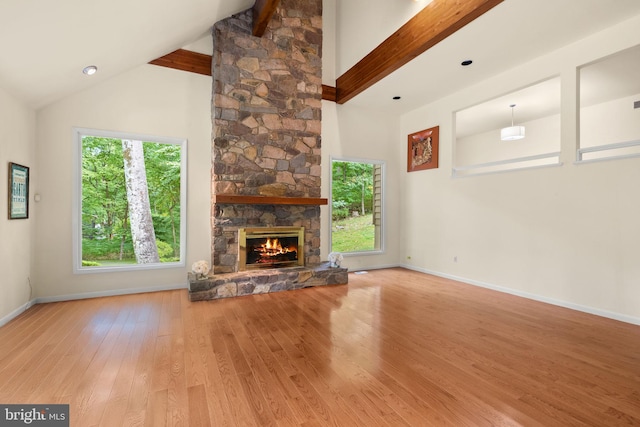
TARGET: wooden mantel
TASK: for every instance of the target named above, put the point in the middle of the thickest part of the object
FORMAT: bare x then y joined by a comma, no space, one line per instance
267,200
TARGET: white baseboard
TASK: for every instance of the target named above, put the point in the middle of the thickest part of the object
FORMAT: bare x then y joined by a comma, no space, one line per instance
565,304
585,309
375,267
17,312
86,295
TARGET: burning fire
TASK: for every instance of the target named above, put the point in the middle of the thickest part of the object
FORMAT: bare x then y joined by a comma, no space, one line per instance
272,247
271,251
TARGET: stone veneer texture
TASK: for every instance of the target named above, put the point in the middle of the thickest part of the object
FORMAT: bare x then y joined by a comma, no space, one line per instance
267,112
228,218
264,281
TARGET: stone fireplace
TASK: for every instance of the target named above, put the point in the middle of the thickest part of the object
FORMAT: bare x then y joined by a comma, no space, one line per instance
270,247
266,146
229,219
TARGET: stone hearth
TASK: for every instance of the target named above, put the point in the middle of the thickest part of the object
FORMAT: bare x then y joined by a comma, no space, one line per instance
264,281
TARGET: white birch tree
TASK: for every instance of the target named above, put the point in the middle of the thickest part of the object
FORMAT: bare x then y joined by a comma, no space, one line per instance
142,232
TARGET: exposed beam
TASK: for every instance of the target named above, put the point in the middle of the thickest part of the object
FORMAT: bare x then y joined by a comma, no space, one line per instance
263,10
200,63
328,93
438,20
186,60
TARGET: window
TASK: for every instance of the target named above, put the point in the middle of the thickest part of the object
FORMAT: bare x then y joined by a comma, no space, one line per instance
129,201
356,205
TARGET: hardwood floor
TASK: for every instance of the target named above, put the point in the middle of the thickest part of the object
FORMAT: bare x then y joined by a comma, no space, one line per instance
392,348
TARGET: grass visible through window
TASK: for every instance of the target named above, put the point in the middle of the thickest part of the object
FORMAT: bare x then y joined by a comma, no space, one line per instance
354,234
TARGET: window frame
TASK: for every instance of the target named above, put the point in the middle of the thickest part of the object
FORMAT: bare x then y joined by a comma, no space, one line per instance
76,217
381,249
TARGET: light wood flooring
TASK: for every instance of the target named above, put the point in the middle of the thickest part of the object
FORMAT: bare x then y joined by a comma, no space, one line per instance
392,348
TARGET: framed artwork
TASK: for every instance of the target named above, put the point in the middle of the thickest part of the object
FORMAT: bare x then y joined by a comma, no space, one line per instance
18,191
422,150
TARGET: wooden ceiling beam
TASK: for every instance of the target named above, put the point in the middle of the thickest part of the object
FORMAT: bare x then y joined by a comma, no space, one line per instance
200,63
437,21
434,23
263,10
186,60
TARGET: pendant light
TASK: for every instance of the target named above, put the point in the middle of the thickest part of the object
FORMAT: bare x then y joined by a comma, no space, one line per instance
512,132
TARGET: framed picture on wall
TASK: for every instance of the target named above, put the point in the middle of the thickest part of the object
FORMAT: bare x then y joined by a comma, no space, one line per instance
422,150
18,191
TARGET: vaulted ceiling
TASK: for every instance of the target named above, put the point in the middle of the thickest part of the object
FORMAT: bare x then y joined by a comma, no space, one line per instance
512,33
45,44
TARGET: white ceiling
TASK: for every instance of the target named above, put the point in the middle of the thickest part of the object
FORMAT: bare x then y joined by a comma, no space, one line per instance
512,33
45,44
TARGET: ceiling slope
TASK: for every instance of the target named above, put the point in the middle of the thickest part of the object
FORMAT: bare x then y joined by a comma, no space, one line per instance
512,33
434,23
46,44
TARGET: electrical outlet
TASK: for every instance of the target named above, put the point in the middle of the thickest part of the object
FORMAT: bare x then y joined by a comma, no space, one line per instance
455,258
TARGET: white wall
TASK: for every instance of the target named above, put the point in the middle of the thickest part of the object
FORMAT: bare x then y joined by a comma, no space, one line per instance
354,133
610,122
17,145
566,234
147,100
329,75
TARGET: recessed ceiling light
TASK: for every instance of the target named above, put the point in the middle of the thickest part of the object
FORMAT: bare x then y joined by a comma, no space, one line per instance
466,62
90,70
396,97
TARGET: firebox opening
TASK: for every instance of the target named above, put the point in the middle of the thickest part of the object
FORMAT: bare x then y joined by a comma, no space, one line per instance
270,247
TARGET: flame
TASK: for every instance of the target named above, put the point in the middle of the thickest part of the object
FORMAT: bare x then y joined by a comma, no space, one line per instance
273,247
272,250
273,244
